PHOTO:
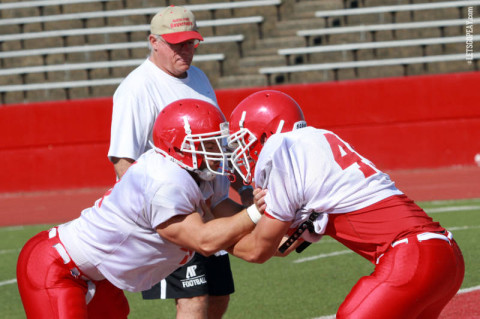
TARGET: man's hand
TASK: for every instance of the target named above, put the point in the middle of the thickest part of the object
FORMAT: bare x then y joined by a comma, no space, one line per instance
259,199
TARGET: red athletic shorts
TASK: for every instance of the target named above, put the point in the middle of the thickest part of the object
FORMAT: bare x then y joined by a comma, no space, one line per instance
49,290
415,278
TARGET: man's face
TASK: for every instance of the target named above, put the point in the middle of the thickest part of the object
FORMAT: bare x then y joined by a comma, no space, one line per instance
174,59
211,147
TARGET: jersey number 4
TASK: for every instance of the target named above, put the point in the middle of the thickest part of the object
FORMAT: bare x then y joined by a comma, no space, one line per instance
345,157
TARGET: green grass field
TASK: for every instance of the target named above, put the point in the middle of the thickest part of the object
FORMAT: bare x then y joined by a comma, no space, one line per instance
306,285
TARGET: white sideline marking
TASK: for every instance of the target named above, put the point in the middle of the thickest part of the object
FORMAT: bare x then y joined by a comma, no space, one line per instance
8,282
13,228
335,253
461,291
465,290
8,251
451,209
462,228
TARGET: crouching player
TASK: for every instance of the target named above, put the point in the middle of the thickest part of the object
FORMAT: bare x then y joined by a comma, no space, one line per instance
319,185
151,222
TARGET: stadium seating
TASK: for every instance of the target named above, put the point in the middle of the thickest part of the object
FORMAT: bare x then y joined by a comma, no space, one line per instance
147,12
374,28
393,10
374,45
404,62
41,4
53,49
34,45
406,46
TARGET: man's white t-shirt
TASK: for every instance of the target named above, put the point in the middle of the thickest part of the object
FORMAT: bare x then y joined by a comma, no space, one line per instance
140,98
311,169
118,236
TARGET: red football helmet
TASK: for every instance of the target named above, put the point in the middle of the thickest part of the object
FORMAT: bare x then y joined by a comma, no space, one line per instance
254,120
181,130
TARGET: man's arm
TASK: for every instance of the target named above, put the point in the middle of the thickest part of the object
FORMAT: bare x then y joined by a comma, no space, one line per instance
120,165
262,243
190,231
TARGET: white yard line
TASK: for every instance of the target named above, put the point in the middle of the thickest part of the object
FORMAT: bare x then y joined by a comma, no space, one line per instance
462,228
335,253
466,290
449,209
9,251
8,282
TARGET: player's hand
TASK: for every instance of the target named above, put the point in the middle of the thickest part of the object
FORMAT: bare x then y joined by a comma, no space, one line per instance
259,199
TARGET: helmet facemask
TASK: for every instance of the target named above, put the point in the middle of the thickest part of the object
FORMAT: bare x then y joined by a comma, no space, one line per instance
196,149
195,144
240,143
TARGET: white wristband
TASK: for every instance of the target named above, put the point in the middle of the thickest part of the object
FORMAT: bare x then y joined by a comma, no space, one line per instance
253,213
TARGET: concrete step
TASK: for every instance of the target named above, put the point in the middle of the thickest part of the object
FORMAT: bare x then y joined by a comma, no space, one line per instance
241,81
270,46
250,65
280,42
290,27
308,8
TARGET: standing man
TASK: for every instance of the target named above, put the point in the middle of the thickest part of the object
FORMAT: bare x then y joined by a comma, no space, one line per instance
319,185
164,77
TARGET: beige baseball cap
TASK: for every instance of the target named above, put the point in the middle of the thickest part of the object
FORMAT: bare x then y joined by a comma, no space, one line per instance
175,25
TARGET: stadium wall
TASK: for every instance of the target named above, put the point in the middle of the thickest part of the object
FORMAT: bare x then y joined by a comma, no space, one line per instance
398,123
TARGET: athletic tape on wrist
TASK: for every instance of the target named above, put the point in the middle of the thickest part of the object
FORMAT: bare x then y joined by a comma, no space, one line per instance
253,213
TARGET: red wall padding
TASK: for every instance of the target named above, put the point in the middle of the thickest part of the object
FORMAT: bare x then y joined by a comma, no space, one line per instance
55,145
407,122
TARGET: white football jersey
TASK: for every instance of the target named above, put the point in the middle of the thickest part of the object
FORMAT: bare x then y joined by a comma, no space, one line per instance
117,235
312,169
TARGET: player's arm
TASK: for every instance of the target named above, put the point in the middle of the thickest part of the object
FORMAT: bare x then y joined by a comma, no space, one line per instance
120,165
262,243
190,231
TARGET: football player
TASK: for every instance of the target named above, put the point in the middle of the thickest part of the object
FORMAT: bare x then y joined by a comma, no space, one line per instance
150,223
318,185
